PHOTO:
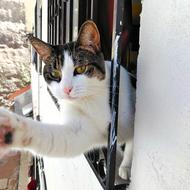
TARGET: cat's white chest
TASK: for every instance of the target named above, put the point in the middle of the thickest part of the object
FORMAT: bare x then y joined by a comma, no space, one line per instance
96,111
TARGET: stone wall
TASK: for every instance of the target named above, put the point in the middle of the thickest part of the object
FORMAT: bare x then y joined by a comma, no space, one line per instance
14,51
14,74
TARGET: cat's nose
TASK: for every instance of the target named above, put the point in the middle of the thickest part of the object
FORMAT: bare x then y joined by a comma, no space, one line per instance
67,90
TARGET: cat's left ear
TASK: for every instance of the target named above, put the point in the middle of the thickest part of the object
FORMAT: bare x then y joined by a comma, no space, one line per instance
43,49
89,37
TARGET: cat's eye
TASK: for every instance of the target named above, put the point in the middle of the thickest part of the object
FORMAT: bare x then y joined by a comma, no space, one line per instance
56,73
80,69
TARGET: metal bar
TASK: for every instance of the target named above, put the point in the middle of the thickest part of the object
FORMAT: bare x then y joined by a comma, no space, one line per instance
35,33
43,184
62,22
88,9
35,20
75,18
92,9
112,138
51,23
55,21
68,21
71,21
48,22
40,35
59,22
39,62
82,12
58,17
65,21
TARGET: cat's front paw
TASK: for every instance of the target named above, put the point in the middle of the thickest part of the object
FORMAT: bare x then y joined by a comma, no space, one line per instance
6,129
13,130
124,172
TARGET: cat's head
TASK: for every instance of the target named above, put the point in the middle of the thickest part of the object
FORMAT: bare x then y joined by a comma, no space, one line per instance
74,70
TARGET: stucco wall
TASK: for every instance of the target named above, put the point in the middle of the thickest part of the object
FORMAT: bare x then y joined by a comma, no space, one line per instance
162,126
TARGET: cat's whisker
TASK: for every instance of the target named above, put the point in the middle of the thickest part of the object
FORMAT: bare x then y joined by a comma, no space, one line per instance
80,92
99,87
104,90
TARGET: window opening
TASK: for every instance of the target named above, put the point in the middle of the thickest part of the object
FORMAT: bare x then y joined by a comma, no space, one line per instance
121,34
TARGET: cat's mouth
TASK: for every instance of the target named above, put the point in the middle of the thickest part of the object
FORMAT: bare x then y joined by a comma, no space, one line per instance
72,98
69,97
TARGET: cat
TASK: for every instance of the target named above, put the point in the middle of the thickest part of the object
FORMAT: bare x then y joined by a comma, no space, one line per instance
79,78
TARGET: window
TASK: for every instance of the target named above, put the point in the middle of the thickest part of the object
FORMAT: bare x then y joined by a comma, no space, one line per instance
113,18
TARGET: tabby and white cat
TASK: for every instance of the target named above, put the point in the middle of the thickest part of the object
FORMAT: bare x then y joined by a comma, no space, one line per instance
79,78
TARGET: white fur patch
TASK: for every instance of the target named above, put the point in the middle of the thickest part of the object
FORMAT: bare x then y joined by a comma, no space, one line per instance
67,71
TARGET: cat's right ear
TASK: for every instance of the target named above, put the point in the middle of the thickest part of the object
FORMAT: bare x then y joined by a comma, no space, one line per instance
89,37
43,49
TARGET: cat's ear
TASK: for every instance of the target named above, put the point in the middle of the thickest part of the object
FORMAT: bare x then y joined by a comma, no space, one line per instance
43,49
89,37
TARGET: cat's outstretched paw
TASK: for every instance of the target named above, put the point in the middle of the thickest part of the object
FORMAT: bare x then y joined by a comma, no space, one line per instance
6,129
13,130
124,172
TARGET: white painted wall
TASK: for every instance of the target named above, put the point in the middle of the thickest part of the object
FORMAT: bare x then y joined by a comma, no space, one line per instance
162,127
